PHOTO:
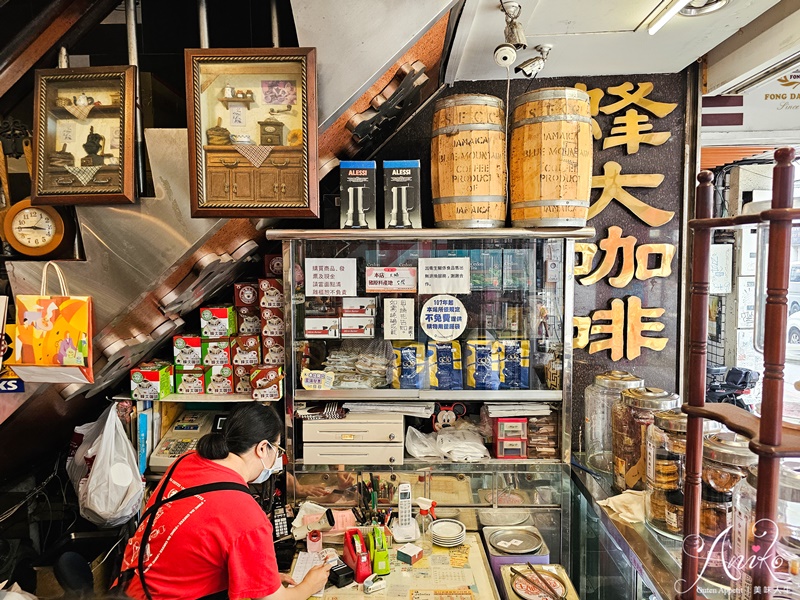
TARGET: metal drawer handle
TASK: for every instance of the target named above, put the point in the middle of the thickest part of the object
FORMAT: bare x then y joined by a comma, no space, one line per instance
101,181
392,436
275,189
283,188
226,188
65,181
234,189
230,165
283,164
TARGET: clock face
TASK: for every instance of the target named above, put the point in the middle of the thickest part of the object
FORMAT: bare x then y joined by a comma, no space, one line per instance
33,227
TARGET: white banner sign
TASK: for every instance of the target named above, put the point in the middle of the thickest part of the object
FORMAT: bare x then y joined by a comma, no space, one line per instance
330,277
444,276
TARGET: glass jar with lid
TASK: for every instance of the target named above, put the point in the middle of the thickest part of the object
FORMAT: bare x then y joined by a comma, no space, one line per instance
664,468
726,459
598,399
786,574
630,417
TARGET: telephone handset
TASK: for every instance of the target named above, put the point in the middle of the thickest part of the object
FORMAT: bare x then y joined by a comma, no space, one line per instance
404,528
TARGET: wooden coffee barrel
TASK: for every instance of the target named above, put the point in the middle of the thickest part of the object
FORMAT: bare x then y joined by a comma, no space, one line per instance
468,161
551,158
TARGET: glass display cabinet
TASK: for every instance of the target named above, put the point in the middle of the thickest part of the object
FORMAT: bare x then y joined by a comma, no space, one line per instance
453,319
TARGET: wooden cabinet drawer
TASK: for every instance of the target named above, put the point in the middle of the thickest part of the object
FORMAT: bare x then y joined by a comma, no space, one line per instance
106,177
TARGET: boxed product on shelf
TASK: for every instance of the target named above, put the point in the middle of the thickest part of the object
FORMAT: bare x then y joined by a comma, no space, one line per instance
219,379
273,265
272,321
186,350
266,382
357,327
248,320
359,306
152,380
517,271
321,327
408,367
510,427
401,191
241,379
273,350
515,364
482,364
217,321
215,351
357,194
510,448
486,269
190,381
245,294
543,436
245,350
444,365
270,293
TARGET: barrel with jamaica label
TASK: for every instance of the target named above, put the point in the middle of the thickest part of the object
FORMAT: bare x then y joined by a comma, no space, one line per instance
468,161
551,158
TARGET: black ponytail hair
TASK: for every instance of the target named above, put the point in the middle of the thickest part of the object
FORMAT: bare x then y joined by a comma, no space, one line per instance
246,426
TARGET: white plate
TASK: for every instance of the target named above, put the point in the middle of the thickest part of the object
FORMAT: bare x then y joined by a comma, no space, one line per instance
449,545
447,528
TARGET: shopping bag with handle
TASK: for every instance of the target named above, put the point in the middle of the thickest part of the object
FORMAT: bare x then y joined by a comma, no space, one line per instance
54,335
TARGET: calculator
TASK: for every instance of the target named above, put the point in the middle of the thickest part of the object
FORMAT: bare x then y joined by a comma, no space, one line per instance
182,437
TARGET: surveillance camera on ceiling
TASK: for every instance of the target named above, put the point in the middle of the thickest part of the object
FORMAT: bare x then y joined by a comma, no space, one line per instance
530,67
505,55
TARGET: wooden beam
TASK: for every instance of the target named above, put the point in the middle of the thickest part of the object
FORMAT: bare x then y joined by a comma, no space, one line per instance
60,21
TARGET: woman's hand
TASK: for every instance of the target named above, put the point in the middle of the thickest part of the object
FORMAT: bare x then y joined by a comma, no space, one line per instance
317,577
310,491
346,478
286,579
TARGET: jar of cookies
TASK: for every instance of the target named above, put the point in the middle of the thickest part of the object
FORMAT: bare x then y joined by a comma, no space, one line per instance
664,466
598,399
726,458
630,417
786,574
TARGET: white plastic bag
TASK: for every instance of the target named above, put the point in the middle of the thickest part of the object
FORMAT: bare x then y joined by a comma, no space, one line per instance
420,445
83,437
461,445
111,492
14,593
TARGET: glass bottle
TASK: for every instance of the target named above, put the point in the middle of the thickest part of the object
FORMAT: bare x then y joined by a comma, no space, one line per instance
630,417
598,399
424,521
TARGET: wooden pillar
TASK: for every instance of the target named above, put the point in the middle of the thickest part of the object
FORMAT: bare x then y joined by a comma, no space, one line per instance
696,389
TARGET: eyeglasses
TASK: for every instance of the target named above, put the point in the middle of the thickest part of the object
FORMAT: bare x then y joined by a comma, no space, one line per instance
280,451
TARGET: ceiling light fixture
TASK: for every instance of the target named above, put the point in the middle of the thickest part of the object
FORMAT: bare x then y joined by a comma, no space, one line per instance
672,9
702,7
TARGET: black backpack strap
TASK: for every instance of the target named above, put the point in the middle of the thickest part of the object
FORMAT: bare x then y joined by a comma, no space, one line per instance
150,514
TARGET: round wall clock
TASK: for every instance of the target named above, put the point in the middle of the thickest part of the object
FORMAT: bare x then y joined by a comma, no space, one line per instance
33,230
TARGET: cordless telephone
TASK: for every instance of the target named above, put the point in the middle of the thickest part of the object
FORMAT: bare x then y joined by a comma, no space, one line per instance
405,528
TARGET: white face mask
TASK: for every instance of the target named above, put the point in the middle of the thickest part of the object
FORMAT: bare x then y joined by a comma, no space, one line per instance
266,472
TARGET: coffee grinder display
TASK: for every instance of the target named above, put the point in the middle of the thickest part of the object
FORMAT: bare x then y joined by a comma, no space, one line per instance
357,197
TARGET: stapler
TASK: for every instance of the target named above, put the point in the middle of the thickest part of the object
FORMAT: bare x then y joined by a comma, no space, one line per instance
356,556
378,551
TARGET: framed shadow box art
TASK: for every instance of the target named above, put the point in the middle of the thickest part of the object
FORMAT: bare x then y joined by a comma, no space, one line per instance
83,136
252,119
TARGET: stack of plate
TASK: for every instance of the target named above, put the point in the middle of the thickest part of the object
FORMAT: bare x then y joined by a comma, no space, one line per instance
448,533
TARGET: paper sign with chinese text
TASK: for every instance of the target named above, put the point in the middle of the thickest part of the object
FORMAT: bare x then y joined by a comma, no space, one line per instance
444,276
398,319
391,280
443,318
331,277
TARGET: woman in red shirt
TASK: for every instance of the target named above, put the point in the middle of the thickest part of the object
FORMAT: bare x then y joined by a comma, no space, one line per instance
205,536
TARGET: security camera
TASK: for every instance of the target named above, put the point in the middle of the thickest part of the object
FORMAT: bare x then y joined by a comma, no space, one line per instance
530,67
505,55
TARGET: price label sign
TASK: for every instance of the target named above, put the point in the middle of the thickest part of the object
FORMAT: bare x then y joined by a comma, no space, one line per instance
331,277
443,318
391,280
316,380
444,275
398,318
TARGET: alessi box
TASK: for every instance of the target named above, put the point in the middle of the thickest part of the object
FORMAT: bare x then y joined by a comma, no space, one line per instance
152,380
270,293
272,321
267,383
219,380
215,351
241,379
186,350
273,350
190,381
248,320
245,350
217,321
245,294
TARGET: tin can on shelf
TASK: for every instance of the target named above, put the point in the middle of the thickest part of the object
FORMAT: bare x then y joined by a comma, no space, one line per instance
598,399
630,417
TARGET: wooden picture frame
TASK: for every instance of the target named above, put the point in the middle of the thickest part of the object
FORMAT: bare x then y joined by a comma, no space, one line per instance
83,136
252,120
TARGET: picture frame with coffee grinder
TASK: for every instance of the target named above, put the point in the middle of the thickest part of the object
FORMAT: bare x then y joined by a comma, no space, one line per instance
83,136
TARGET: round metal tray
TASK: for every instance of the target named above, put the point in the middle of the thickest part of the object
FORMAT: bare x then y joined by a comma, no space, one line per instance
515,541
